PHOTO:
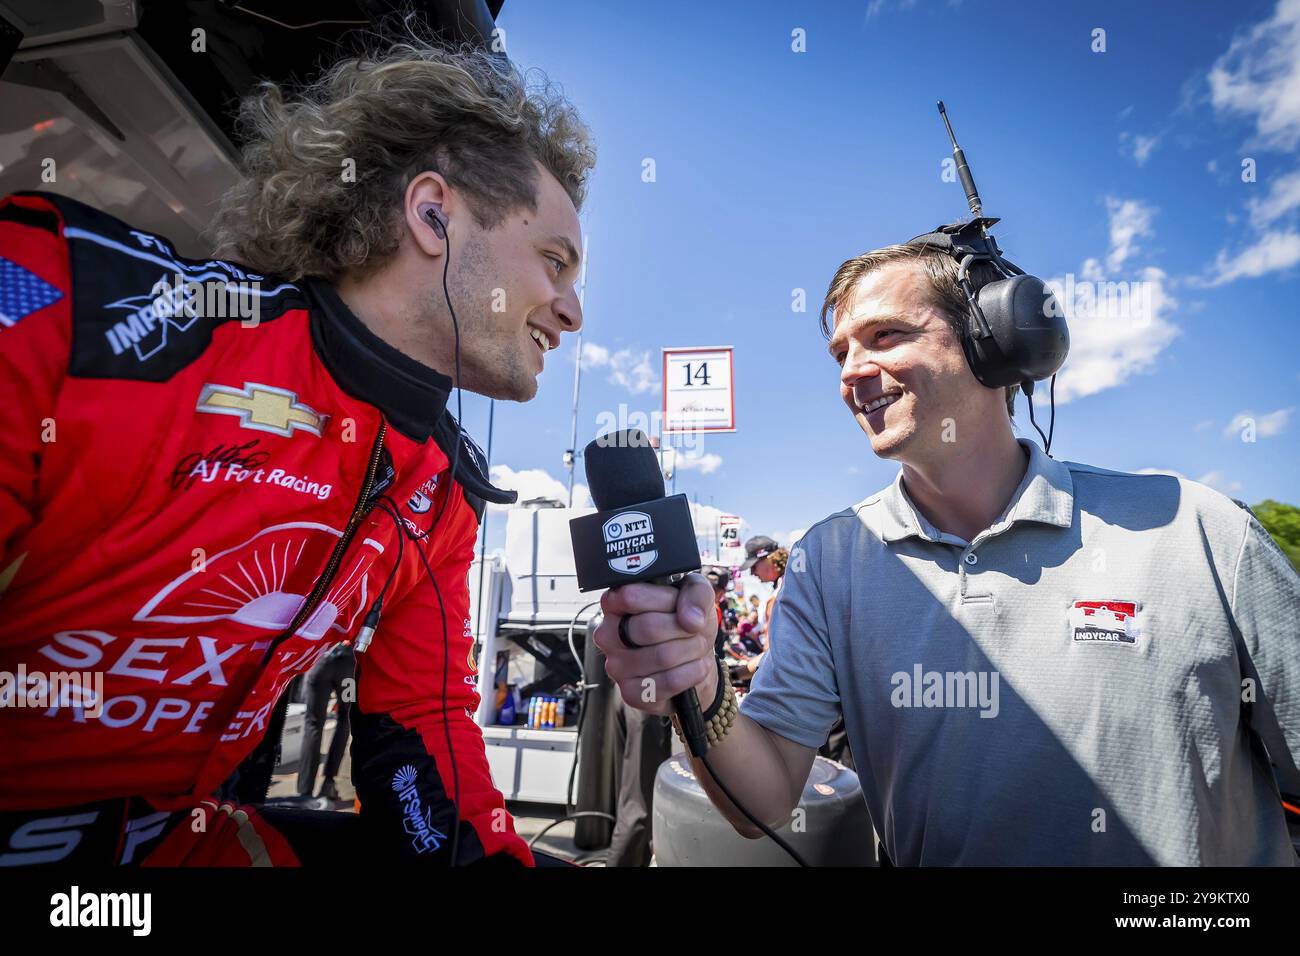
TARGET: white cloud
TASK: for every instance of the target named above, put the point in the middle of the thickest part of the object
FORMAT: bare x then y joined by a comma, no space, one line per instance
1272,252
629,368
537,483
593,355
1092,270
1283,196
1259,77
1142,146
1266,425
1108,343
1118,321
633,371
1130,220
705,464
876,7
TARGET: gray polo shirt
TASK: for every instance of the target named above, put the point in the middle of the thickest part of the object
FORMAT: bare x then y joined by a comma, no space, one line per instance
1065,689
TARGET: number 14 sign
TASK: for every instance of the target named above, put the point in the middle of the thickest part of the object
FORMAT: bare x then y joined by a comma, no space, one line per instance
698,392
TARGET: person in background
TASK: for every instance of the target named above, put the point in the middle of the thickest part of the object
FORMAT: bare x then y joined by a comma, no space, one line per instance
756,549
730,647
767,560
332,673
773,572
719,578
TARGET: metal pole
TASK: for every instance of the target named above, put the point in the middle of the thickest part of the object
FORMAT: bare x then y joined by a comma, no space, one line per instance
717,539
674,491
577,376
695,515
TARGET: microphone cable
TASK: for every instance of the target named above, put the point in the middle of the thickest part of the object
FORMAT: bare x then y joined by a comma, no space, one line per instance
767,831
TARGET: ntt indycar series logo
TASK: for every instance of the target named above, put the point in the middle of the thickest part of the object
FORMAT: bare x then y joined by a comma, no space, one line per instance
630,542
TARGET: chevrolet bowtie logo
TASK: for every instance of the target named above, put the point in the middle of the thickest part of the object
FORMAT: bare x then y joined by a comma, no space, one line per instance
262,408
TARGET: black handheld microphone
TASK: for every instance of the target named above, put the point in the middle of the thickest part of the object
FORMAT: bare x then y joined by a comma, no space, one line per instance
636,534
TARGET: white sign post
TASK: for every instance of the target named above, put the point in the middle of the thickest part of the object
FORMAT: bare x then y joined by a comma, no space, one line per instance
730,551
698,390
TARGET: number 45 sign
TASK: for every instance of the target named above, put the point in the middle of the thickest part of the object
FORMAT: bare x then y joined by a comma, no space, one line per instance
698,392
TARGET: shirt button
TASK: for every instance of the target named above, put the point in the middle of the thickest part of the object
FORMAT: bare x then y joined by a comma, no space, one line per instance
971,559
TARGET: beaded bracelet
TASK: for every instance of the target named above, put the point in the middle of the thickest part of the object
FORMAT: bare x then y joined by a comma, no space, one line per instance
720,717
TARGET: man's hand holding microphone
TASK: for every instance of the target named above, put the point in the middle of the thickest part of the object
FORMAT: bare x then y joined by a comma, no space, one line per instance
668,649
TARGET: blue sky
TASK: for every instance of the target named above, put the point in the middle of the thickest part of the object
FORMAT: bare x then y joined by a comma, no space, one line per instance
773,166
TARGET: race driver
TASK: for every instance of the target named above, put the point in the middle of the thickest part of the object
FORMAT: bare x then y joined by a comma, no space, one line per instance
1038,662
214,471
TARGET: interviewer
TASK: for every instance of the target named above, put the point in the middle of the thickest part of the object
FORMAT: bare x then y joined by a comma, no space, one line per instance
1038,662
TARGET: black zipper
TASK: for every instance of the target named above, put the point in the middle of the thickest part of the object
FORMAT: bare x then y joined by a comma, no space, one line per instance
359,511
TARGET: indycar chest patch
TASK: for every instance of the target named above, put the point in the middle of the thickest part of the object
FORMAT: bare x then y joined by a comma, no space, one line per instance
1106,622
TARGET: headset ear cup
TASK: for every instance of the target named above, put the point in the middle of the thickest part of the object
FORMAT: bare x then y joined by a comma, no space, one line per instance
988,355
1029,338
1042,338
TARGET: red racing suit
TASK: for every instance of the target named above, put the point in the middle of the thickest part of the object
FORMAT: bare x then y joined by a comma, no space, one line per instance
202,475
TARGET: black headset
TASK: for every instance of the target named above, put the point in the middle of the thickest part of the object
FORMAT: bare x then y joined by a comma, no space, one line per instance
1015,331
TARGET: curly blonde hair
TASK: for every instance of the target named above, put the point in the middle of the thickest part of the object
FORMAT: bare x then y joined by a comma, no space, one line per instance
387,115
778,559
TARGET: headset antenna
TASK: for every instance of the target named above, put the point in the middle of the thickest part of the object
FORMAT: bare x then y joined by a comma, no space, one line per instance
963,171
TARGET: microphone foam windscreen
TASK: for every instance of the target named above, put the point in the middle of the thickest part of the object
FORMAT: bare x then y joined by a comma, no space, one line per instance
622,469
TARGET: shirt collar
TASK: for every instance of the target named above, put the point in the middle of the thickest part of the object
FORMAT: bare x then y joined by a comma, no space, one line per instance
1045,496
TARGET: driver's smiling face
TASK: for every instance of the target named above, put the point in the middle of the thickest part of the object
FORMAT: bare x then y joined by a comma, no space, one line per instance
902,370
518,289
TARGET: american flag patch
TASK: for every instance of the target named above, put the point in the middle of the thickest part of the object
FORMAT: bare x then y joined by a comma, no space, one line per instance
22,292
